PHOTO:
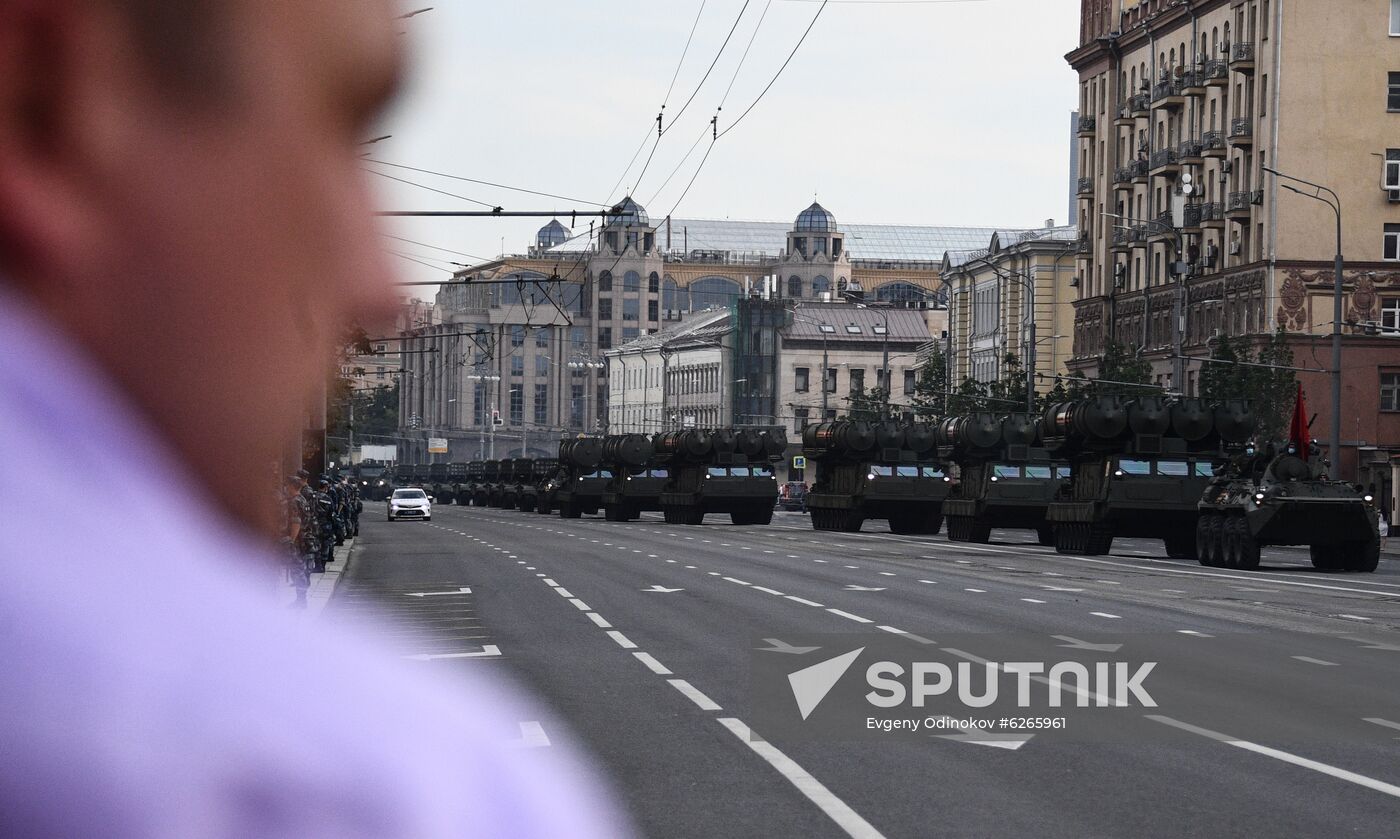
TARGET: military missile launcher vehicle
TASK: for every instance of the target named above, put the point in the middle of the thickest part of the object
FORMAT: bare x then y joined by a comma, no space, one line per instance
884,470
451,486
1005,477
723,471
528,493
1139,468
471,477
577,487
490,477
515,471
636,483
438,486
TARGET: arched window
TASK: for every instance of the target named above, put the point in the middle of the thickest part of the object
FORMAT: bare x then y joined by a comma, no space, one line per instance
711,292
794,289
653,283
670,299
900,293
605,281
820,286
631,281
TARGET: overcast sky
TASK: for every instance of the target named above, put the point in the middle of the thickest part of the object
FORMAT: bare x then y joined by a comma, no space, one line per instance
949,113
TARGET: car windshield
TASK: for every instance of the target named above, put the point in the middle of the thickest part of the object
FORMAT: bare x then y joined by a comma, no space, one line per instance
907,471
1006,470
1204,469
1135,467
882,471
1176,468
410,493
1037,471
717,471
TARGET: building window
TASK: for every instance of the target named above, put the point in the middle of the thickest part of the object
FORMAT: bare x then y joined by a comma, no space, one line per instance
541,365
541,404
631,281
1395,17
794,288
1393,99
1391,251
831,380
631,308
653,310
820,286
605,338
857,379
800,417
542,338
1390,391
517,404
517,336
653,283
479,405
910,380
605,281
1390,313
605,309
630,332
575,406
517,365
800,376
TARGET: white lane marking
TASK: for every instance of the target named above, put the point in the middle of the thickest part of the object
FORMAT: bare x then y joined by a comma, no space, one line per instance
849,616
835,809
888,574
622,640
532,735
529,568
580,605
891,629
1353,617
652,664
1106,615
1382,723
652,556
929,582
804,601
1173,591
691,567
850,566
486,651
976,590
768,591
1286,757
1309,660
700,699
539,575
563,592
769,552
920,639
672,561
1254,576
1195,633
732,580
461,590
1031,600
1108,582
793,556
713,573
549,582
600,620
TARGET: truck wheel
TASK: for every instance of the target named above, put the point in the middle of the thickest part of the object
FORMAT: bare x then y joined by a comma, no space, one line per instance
1099,540
980,531
569,510
741,518
614,512
1208,540
762,517
1180,546
903,524
1361,556
694,515
853,523
1064,538
1045,535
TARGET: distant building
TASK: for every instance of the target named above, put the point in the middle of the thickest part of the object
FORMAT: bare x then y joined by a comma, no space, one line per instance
522,337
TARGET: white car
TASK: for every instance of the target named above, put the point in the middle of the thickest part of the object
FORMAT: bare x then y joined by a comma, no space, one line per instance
410,503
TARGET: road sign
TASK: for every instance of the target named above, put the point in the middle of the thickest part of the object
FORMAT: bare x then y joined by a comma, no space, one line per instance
799,462
437,445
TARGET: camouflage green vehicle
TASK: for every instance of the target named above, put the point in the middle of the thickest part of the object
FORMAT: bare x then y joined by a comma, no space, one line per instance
466,483
1005,479
869,471
456,479
490,476
724,471
1139,468
516,474
578,486
636,483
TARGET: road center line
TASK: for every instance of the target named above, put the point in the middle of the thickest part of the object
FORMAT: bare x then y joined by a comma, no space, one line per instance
652,664
600,620
622,640
849,616
700,699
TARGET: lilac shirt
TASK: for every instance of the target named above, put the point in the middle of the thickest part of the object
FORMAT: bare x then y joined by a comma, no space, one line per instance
152,685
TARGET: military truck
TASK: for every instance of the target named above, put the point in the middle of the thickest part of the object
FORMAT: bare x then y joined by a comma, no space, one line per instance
636,483
437,484
375,480
490,475
421,476
1139,467
451,487
723,471
1004,480
883,470
528,492
1285,498
516,474
577,487
466,484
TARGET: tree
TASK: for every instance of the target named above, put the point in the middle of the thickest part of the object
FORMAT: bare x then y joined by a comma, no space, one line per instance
1064,390
1124,374
1273,389
866,405
970,397
1008,393
1223,377
931,387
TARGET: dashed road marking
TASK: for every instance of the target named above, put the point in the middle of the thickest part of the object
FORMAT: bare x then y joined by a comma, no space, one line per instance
804,601
599,620
1309,660
652,664
849,616
1031,600
689,691
622,640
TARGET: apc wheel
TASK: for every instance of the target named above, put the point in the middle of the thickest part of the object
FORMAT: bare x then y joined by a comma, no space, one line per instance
1326,557
1247,552
569,510
1362,556
1207,540
762,517
614,512
1045,535
1180,547
1098,540
694,515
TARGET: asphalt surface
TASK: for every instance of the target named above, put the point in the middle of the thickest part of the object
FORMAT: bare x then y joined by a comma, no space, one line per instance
1279,690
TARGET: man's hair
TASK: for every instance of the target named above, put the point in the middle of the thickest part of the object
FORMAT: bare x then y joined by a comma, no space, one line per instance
185,43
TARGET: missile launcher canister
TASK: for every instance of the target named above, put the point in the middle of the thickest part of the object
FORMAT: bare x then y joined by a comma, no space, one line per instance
885,470
637,480
473,484
1006,479
725,470
1139,467
578,486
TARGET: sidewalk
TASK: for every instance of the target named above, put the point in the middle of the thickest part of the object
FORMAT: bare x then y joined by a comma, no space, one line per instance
323,584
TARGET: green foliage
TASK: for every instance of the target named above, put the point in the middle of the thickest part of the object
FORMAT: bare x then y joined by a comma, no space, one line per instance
866,405
1269,390
1122,372
931,387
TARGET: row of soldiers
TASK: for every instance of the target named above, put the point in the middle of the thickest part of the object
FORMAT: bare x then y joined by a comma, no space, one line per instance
316,520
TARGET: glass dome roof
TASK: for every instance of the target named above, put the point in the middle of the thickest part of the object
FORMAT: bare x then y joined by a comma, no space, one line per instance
552,234
633,214
816,217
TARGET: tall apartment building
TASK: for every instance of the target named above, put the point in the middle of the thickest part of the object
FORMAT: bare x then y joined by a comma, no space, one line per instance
1185,236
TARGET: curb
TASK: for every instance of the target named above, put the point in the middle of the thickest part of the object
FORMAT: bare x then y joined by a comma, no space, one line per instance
323,585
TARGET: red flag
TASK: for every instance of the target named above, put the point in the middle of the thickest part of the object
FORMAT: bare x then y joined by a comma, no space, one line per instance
1298,429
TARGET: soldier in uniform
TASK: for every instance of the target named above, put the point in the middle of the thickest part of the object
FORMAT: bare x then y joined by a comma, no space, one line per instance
356,506
325,519
290,503
310,543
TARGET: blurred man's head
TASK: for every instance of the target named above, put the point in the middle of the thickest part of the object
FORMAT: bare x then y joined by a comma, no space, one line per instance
181,193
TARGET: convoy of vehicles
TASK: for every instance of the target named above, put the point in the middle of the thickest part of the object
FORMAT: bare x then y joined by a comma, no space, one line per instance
1085,473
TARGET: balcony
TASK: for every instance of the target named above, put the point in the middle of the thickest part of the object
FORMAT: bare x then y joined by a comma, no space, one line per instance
1212,216
1139,170
1138,236
1190,151
1168,94
1121,238
1086,245
1242,58
1216,73
1087,125
1191,217
1240,204
1160,228
1213,144
1242,131
1123,176
1141,104
1164,162
1193,83
1086,186
1125,118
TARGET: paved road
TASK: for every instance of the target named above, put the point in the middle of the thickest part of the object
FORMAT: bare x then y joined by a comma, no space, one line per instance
1293,735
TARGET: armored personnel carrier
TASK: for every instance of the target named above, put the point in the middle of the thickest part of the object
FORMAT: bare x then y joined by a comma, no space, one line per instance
866,471
578,486
1138,468
1283,499
636,483
1005,478
724,471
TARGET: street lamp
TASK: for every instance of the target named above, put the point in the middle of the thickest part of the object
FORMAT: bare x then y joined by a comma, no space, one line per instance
1028,283
826,329
488,416
1335,202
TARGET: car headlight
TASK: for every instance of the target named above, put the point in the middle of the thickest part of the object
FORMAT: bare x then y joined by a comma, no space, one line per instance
1370,498
995,479
1117,473
1258,496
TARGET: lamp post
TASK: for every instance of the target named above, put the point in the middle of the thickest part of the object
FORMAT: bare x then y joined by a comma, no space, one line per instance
1335,439
487,415
825,328
1028,283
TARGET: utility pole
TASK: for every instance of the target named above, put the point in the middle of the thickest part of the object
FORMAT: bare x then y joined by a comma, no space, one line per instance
885,365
